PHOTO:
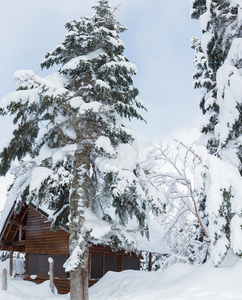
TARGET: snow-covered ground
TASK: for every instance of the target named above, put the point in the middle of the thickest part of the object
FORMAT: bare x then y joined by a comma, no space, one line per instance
179,282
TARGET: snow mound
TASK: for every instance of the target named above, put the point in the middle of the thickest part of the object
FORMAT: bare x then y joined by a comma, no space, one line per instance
179,282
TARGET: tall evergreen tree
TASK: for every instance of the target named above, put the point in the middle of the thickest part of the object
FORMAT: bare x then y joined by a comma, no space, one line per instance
220,48
205,79
199,7
74,149
220,26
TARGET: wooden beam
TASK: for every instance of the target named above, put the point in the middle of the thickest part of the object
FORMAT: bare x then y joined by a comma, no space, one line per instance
16,222
5,243
15,233
7,231
18,243
24,213
12,243
150,261
11,262
6,223
20,233
20,229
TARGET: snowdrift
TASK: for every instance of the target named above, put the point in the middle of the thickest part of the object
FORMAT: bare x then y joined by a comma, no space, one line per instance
178,282
183,282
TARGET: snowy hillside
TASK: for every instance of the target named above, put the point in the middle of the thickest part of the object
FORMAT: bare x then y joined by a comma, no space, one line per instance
179,282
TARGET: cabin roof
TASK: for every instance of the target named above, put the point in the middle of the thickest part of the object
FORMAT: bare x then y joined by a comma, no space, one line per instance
154,244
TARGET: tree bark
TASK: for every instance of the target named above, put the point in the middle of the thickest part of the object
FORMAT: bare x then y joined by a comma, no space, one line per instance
79,281
79,201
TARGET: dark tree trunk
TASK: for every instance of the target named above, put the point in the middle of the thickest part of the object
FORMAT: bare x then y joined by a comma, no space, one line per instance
79,201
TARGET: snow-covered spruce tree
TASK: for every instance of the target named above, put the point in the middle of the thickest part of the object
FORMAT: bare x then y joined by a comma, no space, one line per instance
205,79
74,150
220,21
199,7
221,48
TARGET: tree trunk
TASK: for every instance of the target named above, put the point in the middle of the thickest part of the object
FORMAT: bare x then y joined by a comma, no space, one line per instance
79,281
79,200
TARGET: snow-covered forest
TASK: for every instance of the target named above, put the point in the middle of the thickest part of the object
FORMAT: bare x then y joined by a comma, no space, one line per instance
74,155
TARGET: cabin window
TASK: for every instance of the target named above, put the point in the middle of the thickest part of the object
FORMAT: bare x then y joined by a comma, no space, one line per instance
43,265
130,263
110,263
38,264
101,264
59,261
32,266
96,266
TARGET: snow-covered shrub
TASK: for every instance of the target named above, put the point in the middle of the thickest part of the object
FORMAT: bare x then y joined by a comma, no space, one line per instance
203,209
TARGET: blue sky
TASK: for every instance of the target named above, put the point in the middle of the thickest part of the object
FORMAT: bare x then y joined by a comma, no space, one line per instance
157,41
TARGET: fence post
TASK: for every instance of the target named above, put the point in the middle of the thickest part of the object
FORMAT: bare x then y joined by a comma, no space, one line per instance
5,279
150,261
51,263
11,262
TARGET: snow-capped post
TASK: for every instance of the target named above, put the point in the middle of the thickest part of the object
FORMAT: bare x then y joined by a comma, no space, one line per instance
51,273
5,280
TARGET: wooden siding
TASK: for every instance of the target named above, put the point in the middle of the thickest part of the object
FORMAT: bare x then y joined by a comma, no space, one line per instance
30,232
40,239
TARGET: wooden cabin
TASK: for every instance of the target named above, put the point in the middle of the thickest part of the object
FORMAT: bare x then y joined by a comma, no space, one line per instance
30,232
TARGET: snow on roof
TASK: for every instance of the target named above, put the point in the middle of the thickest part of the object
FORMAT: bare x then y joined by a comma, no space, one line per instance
99,227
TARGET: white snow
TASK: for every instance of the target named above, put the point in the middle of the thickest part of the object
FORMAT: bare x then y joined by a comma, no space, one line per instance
39,174
50,260
97,226
131,68
26,95
73,63
126,160
93,106
76,102
23,75
102,84
178,282
104,143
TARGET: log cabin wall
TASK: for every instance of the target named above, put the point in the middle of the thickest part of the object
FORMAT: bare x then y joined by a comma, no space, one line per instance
30,232
42,242
103,259
40,239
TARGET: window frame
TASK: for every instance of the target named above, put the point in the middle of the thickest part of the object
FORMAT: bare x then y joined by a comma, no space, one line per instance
131,258
38,267
103,264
